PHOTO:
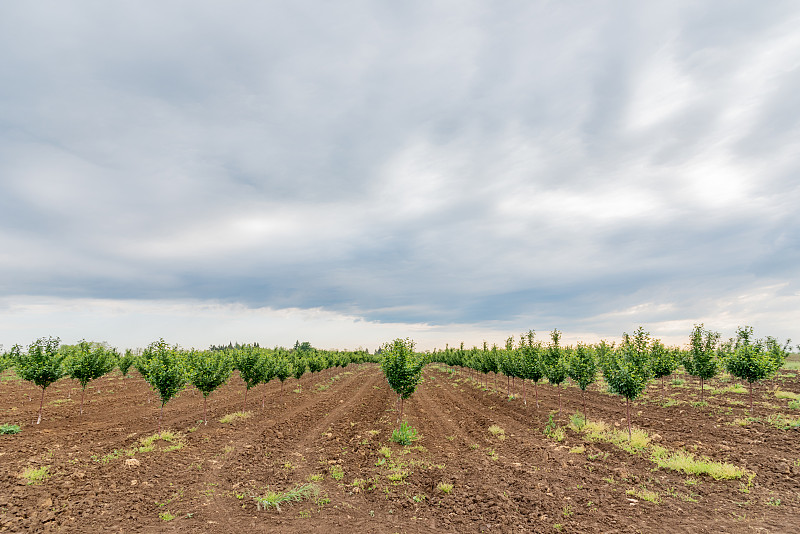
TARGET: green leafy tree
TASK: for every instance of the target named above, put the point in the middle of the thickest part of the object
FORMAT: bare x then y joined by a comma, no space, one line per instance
164,368
582,369
299,369
267,371
627,369
89,361
402,368
531,367
752,359
42,364
553,363
126,361
208,370
663,360
283,368
701,359
247,361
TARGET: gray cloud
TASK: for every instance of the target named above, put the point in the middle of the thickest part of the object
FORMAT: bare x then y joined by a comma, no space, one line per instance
443,163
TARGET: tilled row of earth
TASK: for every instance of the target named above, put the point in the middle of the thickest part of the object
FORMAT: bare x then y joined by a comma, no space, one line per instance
327,437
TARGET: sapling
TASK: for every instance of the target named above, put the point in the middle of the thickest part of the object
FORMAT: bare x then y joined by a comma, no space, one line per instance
582,369
125,362
402,368
663,360
702,360
283,368
299,369
531,363
247,361
207,372
751,359
267,372
89,361
164,368
626,370
42,364
553,363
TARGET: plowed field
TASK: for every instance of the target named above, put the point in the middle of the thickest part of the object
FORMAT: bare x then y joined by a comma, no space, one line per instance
333,433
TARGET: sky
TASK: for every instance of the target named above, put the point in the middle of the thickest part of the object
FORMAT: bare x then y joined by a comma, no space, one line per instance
351,172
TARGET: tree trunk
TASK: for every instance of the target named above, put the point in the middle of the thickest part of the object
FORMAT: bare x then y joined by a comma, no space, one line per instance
402,405
41,403
205,416
160,414
559,402
244,405
751,398
508,385
701,389
524,398
83,394
583,392
536,391
628,409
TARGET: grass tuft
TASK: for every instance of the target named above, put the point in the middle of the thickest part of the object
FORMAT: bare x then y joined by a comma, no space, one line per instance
497,432
235,416
274,499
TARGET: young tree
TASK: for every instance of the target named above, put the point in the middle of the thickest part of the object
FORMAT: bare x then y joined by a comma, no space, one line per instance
582,369
531,363
283,368
42,364
702,360
553,363
247,361
299,369
626,369
663,360
751,359
126,361
89,361
164,368
402,368
267,371
208,371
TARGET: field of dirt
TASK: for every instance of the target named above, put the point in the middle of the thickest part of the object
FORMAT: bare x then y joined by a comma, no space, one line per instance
332,434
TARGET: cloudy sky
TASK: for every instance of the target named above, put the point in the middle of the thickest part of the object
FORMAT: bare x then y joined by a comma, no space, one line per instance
351,172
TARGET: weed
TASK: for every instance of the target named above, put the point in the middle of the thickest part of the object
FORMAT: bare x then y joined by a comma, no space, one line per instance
497,432
678,381
474,446
577,421
235,416
336,472
578,450
419,497
794,404
783,422
405,435
7,428
670,402
166,516
316,477
553,431
686,462
774,502
492,454
567,512
787,395
34,475
645,495
444,487
296,494
385,451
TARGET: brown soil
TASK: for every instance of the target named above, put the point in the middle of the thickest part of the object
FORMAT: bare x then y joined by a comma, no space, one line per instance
527,482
